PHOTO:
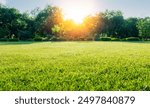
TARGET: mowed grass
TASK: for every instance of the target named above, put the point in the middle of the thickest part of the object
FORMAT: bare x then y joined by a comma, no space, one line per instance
78,66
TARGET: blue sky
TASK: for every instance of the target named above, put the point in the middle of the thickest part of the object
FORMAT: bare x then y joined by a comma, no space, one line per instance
137,8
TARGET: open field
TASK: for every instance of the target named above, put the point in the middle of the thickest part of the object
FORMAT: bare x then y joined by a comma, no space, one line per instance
75,66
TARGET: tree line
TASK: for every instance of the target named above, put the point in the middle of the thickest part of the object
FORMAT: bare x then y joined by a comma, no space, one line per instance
48,25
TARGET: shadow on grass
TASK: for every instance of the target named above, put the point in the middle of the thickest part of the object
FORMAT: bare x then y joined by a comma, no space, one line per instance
138,42
18,43
33,42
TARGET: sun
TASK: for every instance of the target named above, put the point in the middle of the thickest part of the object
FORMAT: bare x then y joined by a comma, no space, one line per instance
77,10
76,14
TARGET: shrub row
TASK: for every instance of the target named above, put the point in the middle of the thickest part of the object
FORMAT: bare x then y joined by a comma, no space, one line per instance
117,39
133,39
10,40
39,38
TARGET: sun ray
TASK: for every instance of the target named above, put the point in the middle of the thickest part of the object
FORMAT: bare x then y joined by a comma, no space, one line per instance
77,10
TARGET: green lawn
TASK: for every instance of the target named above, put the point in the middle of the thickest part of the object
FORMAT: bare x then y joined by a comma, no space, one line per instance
75,66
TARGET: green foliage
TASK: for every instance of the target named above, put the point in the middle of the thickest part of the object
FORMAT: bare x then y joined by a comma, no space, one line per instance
45,39
25,35
56,29
38,38
103,35
124,39
75,66
50,21
130,28
3,39
133,39
97,39
13,39
12,22
41,18
144,27
114,22
4,32
46,19
115,39
105,38
54,38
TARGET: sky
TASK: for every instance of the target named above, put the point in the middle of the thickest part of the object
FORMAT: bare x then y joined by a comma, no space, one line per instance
130,8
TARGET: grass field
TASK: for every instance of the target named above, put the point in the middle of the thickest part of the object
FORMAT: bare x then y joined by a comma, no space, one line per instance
75,66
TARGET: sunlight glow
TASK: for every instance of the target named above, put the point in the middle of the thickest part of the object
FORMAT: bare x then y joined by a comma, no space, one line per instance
75,14
77,10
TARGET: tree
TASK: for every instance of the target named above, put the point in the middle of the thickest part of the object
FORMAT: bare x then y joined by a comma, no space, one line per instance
49,23
130,28
40,20
26,29
55,30
13,23
4,32
47,19
114,23
9,19
94,25
54,22
144,28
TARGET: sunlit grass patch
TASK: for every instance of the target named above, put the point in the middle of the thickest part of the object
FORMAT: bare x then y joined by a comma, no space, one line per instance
75,66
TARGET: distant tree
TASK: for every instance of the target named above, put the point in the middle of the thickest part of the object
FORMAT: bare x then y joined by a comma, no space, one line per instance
35,12
27,27
144,28
49,23
47,19
4,32
130,28
71,30
40,20
114,23
86,31
13,23
9,20
94,25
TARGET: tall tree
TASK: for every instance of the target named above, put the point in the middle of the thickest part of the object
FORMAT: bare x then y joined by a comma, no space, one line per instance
114,23
130,28
144,28
47,19
94,25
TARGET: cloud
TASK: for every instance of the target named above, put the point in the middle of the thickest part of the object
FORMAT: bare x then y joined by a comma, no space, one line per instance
3,2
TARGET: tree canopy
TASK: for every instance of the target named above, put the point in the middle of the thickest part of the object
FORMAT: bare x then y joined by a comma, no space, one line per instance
49,23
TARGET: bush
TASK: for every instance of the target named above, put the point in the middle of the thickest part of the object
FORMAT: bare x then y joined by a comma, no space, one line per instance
103,35
146,39
53,38
133,39
29,40
97,38
115,39
124,39
13,39
25,35
4,32
3,39
56,39
38,38
45,39
105,38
